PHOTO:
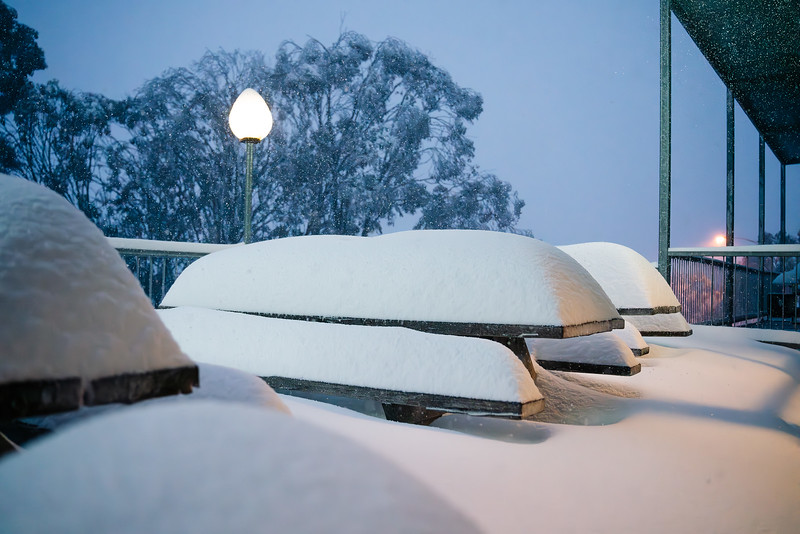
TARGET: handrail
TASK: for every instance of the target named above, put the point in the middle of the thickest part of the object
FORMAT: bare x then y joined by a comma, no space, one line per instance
174,249
739,250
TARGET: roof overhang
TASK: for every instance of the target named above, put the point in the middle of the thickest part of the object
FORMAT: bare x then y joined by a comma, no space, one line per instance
754,46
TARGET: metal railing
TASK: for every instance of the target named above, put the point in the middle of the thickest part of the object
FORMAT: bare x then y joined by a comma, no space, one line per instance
738,286
157,264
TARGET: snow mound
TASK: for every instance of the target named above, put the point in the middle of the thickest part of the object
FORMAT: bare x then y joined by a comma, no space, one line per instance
443,276
662,324
385,358
211,467
632,283
603,352
76,325
631,336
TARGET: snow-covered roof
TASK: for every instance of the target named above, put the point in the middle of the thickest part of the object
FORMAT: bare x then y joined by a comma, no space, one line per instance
633,284
450,279
72,313
387,358
211,467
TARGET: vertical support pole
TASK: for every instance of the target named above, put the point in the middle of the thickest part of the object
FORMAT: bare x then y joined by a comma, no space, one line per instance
729,211
761,227
665,147
783,203
729,215
150,280
761,189
248,194
164,277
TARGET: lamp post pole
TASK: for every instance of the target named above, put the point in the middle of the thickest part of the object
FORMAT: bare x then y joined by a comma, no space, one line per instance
248,192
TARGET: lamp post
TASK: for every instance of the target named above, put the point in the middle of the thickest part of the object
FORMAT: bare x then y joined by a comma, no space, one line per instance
250,120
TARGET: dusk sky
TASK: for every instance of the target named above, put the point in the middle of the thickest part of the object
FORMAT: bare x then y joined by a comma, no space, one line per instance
570,91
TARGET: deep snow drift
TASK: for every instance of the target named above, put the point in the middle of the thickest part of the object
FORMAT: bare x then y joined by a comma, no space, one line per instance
211,467
705,439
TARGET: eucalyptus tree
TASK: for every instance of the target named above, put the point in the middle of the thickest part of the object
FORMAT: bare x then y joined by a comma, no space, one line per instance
60,139
20,57
178,172
366,133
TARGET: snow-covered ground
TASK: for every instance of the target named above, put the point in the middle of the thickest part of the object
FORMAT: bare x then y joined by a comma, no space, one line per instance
705,439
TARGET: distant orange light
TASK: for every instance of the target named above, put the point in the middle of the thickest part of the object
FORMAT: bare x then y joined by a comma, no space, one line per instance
720,240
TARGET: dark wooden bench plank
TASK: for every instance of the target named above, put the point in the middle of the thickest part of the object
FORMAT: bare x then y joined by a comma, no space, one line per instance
577,367
440,403
656,310
37,397
457,328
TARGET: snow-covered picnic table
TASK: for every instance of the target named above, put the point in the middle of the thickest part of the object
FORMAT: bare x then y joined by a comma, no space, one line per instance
477,284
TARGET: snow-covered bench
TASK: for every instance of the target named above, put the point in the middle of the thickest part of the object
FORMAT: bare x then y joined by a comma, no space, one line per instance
499,286
416,376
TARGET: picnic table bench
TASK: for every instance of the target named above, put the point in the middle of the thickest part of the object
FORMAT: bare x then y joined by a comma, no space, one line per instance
490,285
423,408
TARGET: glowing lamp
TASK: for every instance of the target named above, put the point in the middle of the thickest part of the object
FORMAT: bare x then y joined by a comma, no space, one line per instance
250,118
720,240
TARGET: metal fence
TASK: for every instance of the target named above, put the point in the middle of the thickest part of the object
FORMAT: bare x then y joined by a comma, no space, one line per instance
738,286
157,264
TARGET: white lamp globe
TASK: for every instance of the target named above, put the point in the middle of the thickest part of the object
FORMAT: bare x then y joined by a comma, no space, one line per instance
250,118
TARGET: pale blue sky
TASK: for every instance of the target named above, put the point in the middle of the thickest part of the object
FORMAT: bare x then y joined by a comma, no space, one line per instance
570,92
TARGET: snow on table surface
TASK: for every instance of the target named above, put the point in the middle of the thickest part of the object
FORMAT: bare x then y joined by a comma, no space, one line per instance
69,305
460,276
211,467
630,336
625,275
660,322
705,439
376,357
604,348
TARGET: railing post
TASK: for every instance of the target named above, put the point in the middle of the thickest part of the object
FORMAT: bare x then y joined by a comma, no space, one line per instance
783,203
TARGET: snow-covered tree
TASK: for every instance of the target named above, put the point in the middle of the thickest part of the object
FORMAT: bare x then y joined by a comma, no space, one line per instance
179,171
363,133
20,56
366,133
60,140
